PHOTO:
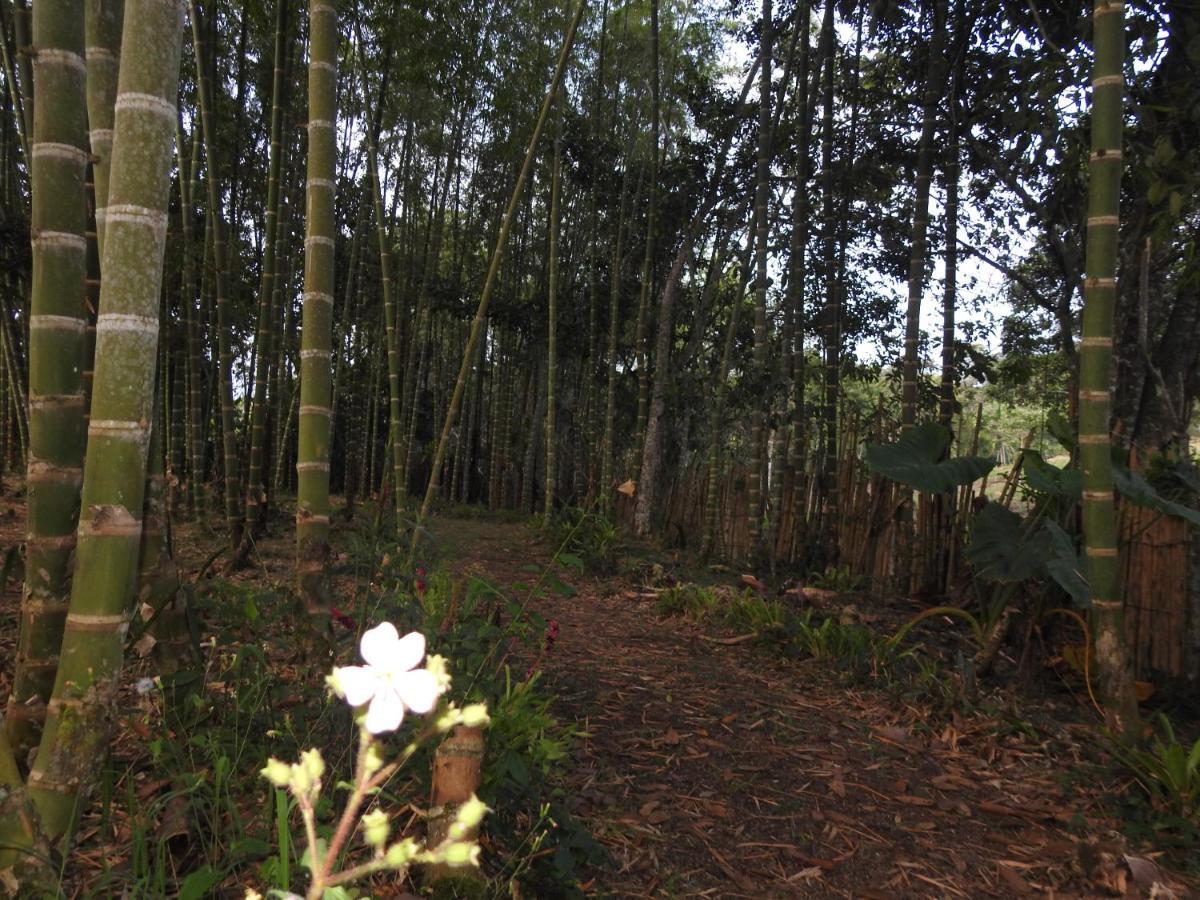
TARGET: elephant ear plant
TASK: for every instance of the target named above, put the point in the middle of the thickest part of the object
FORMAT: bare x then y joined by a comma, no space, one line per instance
388,685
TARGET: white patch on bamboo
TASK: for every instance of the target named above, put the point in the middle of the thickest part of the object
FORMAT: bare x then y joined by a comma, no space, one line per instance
56,56
54,150
137,101
47,322
108,323
59,240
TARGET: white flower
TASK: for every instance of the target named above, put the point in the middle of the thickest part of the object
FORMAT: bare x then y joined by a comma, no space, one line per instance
390,681
144,686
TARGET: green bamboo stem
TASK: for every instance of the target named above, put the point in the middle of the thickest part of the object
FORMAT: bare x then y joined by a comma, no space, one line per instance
80,716
916,281
255,487
762,230
1114,676
390,312
316,380
552,324
56,353
102,28
188,298
220,277
607,448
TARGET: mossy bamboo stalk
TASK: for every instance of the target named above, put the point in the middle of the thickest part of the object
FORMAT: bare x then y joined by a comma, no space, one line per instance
80,712
56,356
102,28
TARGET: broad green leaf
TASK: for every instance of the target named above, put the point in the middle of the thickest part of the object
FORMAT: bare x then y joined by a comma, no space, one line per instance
916,460
1061,430
1065,565
1042,476
1137,490
998,551
199,883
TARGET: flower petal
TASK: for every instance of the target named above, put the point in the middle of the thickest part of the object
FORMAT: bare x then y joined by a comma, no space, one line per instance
378,646
418,689
385,713
408,652
358,683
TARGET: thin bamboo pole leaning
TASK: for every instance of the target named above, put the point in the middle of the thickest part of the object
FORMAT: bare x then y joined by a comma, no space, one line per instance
494,266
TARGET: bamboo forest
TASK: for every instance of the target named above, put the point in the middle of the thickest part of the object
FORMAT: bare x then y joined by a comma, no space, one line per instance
599,448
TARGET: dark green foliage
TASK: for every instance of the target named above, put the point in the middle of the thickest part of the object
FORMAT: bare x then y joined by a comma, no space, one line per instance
916,459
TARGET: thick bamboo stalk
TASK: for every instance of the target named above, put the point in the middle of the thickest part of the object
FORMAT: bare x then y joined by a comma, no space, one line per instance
80,714
1114,676
56,357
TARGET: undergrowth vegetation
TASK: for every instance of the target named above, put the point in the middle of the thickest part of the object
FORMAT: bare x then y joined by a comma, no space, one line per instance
188,802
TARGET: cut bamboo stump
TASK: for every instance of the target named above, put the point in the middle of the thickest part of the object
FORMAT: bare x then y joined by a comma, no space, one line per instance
457,772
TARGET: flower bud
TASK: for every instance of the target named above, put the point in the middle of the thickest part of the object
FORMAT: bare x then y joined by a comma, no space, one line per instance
314,765
375,827
458,853
475,714
471,813
276,772
401,853
436,666
373,759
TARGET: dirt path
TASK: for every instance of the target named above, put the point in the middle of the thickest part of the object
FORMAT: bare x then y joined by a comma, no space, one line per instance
715,770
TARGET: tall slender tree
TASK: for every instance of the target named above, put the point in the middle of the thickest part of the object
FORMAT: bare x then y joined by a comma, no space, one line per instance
552,304
762,232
